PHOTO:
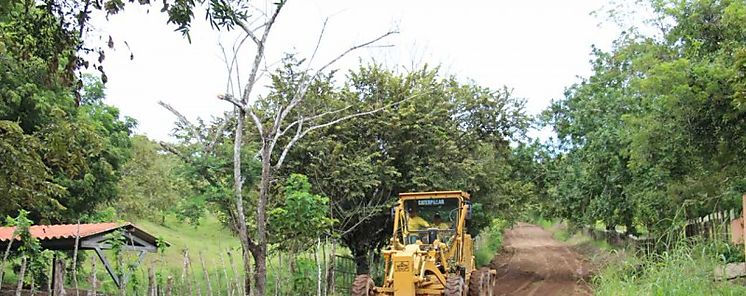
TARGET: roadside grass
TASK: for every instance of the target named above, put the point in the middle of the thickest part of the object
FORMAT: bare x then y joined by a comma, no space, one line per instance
687,269
489,242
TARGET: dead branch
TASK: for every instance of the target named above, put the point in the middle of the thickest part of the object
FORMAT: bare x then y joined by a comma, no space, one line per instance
356,47
182,119
302,134
303,87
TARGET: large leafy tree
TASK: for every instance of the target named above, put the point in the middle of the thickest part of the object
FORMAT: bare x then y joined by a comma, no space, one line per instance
72,150
657,131
151,185
450,136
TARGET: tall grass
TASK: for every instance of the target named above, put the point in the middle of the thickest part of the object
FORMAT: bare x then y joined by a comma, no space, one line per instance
489,242
686,269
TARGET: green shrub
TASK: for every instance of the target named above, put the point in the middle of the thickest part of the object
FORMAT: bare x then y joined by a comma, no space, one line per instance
685,270
489,242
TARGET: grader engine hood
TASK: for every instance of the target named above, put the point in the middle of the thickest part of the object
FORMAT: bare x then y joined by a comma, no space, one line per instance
404,272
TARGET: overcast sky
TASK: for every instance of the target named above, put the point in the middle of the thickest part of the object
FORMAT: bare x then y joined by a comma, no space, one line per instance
537,48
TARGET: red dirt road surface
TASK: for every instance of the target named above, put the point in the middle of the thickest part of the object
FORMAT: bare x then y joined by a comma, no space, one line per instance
534,263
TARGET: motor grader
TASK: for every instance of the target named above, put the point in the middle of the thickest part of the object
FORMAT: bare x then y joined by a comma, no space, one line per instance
434,257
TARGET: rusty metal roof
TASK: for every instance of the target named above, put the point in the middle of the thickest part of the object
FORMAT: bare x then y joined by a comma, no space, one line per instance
62,231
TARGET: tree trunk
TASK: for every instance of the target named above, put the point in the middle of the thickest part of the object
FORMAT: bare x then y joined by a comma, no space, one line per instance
59,278
330,282
243,233
260,273
260,250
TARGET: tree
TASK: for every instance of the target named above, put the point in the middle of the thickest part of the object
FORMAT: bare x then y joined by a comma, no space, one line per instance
81,146
281,125
655,133
445,136
150,183
301,218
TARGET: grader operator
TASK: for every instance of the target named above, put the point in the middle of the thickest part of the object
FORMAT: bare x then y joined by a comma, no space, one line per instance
430,251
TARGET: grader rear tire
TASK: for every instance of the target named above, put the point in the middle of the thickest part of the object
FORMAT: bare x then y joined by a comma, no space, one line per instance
481,282
454,285
363,286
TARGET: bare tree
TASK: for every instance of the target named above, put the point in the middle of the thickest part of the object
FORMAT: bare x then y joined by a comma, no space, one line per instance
271,131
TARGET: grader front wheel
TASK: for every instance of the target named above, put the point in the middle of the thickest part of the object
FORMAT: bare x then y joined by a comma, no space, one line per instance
481,283
454,285
363,286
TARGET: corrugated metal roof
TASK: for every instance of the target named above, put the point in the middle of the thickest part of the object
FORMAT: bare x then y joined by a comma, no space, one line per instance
63,231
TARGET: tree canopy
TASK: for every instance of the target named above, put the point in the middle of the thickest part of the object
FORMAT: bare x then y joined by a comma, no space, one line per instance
657,131
61,154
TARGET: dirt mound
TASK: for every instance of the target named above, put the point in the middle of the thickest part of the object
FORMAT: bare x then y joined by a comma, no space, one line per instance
534,263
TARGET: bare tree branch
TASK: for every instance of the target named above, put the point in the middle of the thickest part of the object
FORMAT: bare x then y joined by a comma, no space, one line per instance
356,47
183,120
218,132
318,43
232,100
290,125
249,32
299,136
260,54
305,83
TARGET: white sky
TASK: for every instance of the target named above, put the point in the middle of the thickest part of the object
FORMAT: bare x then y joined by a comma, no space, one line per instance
535,47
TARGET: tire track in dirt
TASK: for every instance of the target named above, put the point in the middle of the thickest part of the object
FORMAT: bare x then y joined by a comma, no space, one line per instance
534,263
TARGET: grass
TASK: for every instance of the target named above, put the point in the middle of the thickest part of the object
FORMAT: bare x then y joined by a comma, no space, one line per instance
210,238
685,270
489,242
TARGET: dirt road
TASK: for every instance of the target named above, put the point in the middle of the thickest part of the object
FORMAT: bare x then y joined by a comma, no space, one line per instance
534,263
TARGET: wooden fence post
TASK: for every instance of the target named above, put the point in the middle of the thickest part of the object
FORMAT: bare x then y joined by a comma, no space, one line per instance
59,278
75,259
151,282
169,285
92,291
207,273
743,211
21,275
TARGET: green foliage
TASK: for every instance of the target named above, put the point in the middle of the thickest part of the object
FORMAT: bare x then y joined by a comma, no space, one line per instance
489,242
69,151
151,185
443,135
658,127
685,270
301,218
30,248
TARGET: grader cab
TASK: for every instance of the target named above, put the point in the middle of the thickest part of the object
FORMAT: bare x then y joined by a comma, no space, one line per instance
430,251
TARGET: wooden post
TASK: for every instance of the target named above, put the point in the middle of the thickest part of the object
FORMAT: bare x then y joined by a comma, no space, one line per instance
169,285
744,221
151,281
185,272
228,285
59,278
207,273
21,275
239,286
75,259
92,291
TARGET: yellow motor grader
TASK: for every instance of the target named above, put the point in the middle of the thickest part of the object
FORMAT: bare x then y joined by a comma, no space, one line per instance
430,252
